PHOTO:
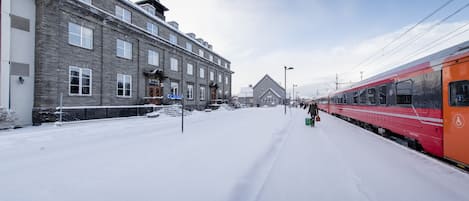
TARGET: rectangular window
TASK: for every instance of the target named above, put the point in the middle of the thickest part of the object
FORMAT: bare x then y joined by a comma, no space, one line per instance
372,96
202,93
79,81
219,62
149,8
355,97
190,92
175,88
459,93
174,64
219,78
212,76
226,65
124,49
153,58
80,36
382,95
404,92
201,53
210,57
202,73
173,39
226,80
189,46
190,69
363,97
123,14
124,85
152,28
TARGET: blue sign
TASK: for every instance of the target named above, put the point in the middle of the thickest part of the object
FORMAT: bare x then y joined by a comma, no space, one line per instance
174,97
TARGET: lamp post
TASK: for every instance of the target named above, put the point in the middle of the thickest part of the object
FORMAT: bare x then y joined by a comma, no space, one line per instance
285,101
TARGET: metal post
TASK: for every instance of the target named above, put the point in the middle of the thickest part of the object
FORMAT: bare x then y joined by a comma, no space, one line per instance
285,99
60,110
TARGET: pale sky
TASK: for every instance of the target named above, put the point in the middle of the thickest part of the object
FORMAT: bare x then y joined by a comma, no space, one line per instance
319,38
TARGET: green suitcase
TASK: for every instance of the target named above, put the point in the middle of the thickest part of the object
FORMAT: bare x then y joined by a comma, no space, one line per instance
308,121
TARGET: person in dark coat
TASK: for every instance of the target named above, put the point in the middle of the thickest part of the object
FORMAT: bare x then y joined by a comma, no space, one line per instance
313,111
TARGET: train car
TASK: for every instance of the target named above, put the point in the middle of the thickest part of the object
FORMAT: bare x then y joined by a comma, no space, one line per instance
425,102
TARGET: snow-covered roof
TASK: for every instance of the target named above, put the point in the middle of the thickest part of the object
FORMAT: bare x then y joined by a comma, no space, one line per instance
266,76
246,92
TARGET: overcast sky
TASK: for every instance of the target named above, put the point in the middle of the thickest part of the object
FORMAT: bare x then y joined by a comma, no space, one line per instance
317,37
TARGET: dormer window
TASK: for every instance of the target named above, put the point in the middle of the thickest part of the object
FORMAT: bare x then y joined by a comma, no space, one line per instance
149,8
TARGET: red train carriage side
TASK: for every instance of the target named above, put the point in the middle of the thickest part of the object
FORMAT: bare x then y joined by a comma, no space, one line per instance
409,101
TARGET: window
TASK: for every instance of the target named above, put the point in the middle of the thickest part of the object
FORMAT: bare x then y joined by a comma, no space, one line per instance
220,78
212,76
382,95
153,58
219,62
152,28
173,39
404,92
124,49
363,97
372,96
210,57
459,93
174,88
190,92
149,8
226,65
355,97
174,64
202,73
202,93
86,1
80,36
226,80
201,53
124,85
123,14
79,81
190,69
189,46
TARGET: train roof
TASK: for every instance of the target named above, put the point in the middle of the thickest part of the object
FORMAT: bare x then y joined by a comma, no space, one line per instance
438,56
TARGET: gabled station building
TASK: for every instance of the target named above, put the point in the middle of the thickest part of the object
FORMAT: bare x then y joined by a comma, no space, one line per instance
91,53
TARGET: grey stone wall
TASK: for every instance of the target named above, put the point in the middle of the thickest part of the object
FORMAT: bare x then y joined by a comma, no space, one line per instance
54,56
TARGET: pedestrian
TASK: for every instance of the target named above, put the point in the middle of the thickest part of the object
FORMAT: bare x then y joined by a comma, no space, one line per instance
313,111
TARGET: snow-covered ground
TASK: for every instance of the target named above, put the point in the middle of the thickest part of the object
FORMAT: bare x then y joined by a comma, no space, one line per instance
247,154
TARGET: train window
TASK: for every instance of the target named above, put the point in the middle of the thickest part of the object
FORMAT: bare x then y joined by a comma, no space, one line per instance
372,96
344,99
404,92
363,97
459,93
382,95
355,97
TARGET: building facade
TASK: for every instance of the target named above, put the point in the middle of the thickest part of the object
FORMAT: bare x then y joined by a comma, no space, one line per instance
267,92
17,61
116,53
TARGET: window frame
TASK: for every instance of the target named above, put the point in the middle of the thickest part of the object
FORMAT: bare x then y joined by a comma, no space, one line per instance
190,91
450,91
202,93
202,73
128,46
176,88
81,35
174,64
80,81
173,39
212,76
411,92
153,28
190,71
156,56
122,15
189,46
124,88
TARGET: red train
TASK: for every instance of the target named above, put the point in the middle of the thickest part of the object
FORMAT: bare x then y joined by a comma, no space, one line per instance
425,103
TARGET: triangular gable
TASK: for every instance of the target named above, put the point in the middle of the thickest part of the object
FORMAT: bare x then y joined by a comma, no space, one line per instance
266,76
273,91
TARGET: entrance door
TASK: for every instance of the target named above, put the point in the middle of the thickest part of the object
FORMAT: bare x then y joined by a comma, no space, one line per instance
154,92
456,110
213,93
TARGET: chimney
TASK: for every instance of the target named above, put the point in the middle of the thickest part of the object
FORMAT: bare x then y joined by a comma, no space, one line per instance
205,43
192,35
174,24
210,47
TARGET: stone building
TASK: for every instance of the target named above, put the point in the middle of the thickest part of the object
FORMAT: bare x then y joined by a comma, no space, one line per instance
267,92
119,53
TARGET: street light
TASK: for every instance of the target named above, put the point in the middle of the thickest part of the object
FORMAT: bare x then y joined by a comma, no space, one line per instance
285,101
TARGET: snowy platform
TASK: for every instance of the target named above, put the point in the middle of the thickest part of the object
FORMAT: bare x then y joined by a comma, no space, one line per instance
247,154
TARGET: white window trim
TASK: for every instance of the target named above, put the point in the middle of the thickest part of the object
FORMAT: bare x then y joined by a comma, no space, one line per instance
157,56
123,86
190,90
80,83
201,53
171,88
212,76
173,39
220,78
122,15
174,67
189,46
82,28
202,73
202,93
226,80
126,47
154,28
191,71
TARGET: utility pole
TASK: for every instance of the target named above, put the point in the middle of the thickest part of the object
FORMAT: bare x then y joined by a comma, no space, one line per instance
361,75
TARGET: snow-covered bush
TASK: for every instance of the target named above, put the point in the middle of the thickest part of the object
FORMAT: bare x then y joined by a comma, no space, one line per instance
7,118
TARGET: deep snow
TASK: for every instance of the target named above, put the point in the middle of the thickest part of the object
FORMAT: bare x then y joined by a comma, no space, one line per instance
247,154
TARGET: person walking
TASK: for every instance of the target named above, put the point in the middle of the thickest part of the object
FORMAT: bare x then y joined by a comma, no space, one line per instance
313,111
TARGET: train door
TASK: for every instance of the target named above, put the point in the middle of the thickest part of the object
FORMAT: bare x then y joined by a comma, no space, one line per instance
456,111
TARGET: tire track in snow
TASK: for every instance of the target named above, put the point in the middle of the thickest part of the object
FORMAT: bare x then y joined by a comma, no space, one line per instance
250,186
